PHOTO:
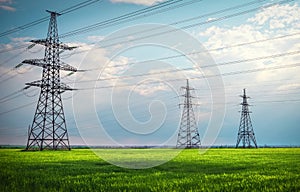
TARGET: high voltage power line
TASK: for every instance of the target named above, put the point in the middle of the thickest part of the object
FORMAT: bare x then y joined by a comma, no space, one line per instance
211,76
171,109
17,108
188,20
19,92
44,19
145,12
78,6
242,44
263,101
6,98
260,101
197,24
182,21
192,53
191,68
189,26
225,17
73,8
208,50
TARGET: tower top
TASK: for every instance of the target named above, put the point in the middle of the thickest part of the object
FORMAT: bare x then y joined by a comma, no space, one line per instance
244,96
53,13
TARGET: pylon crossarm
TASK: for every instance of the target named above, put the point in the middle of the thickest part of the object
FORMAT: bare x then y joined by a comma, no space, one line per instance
46,43
42,63
67,67
37,83
61,86
188,88
36,62
64,87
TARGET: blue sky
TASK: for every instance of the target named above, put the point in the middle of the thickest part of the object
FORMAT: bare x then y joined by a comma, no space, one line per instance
98,116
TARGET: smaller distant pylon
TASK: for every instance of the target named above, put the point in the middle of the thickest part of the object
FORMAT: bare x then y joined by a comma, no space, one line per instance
188,136
246,134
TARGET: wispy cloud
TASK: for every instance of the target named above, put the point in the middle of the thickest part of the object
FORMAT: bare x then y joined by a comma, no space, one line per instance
6,1
278,17
6,5
7,8
268,23
138,2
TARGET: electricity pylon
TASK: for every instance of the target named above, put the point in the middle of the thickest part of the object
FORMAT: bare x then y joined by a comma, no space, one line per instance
48,130
188,136
246,133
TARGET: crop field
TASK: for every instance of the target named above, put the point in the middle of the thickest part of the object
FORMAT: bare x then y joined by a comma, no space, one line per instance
273,169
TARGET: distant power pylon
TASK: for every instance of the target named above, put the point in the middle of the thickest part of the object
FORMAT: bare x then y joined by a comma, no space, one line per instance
48,130
188,136
246,133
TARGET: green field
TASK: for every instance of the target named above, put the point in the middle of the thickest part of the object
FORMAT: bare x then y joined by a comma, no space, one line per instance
215,170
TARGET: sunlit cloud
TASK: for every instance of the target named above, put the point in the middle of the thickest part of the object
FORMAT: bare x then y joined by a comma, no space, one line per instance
139,2
6,5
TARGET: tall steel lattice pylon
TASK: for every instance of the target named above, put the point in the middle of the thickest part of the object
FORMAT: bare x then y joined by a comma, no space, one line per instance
246,133
48,130
188,136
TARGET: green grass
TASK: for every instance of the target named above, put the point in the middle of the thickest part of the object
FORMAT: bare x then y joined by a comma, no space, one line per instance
216,170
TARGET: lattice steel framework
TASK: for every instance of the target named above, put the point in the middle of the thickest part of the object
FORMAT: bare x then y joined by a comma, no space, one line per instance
188,136
48,130
246,133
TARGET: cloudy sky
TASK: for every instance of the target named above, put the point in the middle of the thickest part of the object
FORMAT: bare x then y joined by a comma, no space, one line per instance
138,54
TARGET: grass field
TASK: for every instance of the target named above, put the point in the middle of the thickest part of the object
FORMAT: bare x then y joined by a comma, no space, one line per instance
216,170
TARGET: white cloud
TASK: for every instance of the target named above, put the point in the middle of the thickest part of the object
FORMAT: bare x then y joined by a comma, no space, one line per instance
289,87
148,89
278,17
139,2
5,5
6,1
7,8
95,38
268,23
211,19
21,39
